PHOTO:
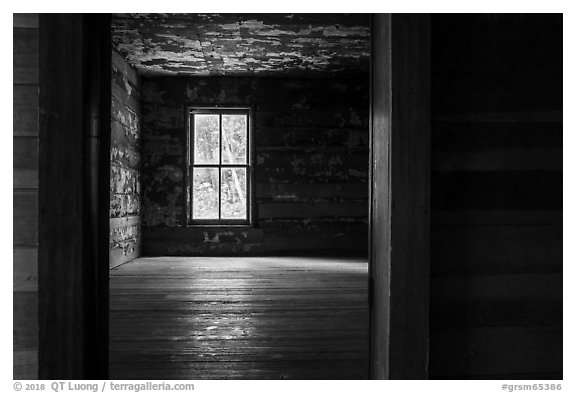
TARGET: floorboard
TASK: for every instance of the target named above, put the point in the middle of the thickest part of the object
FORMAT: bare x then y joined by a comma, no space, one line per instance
239,318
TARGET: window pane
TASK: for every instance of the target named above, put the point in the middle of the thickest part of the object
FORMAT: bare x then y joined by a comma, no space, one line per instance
234,139
234,193
206,139
205,190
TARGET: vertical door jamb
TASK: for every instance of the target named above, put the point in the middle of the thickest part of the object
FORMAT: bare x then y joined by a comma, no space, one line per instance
399,196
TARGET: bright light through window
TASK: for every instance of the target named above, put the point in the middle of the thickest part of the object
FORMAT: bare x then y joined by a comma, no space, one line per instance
219,158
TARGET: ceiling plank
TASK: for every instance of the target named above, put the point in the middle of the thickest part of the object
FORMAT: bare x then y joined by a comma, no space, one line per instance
244,44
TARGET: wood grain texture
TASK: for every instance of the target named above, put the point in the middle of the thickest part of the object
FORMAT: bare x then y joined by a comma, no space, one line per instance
400,212
501,160
25,163
25,216
497,146
25,198
25,179
25,20
497,249
25,363
497,300
73,196
25,320
497,236
497,92
25,269
410,192
510,190
379,233
25,110
525,352
477,217
25,55
531,116
61,178
239,318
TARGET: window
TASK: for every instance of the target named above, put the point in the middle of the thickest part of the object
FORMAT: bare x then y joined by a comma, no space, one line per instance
219,173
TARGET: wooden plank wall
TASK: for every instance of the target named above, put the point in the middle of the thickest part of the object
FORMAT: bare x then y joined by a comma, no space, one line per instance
311,165
125,239
73,195
25,185
496,288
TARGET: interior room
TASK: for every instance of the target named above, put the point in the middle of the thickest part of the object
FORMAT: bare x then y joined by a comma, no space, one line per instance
275,229
288,196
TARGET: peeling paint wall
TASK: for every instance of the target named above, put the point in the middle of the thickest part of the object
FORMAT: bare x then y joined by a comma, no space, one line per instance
244,44
311,165
125,238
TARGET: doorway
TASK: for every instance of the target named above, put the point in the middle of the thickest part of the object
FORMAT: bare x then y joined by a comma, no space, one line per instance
82,307
239,200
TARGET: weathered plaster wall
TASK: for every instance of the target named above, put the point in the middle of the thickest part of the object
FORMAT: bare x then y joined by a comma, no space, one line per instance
244,44
311,165
125,239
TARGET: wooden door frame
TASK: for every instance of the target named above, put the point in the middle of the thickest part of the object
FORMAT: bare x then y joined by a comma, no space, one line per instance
74,169
399,232
74,195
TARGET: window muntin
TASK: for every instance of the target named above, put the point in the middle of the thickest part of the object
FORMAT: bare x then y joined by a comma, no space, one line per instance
219,172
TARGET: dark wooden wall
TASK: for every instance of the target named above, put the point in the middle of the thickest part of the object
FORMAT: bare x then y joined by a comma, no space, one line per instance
25,235
496,288
311,165
125,239
400,196
73,195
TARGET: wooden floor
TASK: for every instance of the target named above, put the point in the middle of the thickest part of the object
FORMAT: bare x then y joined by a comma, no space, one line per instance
242,318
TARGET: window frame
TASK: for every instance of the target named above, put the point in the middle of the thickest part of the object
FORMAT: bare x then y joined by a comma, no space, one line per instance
219,110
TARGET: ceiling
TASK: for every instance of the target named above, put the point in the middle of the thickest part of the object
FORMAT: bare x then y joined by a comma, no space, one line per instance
244,44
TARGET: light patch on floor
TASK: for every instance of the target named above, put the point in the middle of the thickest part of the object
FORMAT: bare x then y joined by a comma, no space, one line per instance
239,318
